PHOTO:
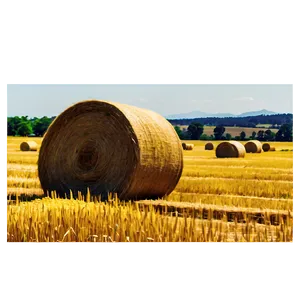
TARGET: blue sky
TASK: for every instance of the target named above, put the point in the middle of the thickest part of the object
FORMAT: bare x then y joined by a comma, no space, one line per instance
50,100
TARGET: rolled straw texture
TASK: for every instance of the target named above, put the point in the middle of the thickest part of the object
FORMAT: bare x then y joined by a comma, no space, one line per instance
230,149
266,147
253,147
110,148
209,146
28,146
189,146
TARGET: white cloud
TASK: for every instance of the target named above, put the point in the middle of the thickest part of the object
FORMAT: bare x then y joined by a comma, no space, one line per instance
243,99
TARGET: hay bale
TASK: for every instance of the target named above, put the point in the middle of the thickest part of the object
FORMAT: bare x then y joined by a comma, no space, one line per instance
184,146
272,148
253,147
28,146
230,149
189,146
209,146
110,147
266,147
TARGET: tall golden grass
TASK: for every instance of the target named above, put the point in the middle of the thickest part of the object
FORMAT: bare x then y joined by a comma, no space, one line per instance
59,220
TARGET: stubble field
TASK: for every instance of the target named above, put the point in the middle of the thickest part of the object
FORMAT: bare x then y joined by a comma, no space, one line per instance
236,199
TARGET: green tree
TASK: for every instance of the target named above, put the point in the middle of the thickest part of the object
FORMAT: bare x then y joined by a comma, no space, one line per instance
287,131
261,135
195,129
228,136
253,135
12,125
279,135
243,135
179,132
41,125
269,135
218,132
24,129
204,137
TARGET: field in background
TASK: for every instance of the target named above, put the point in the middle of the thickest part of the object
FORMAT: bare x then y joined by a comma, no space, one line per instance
234,131
244,199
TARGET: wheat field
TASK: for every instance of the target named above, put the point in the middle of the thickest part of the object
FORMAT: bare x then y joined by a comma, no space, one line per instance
216,200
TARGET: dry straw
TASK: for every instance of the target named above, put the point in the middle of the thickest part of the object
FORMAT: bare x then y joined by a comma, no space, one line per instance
189,146
266,147
230,149
209,146
28,146
253,147
105,147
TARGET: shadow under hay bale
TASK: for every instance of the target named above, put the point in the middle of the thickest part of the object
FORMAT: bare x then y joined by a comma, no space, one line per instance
189,146
253,147
267,147
209,146
230,149
105,147
28,146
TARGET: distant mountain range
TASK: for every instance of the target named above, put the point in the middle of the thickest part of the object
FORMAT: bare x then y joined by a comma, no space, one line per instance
200,114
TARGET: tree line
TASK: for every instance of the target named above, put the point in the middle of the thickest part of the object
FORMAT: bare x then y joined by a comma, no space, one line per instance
275,120
195,132
24,126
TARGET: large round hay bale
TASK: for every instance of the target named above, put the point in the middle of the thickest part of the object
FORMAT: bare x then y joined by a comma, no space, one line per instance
189,146
266,147
209,146
110,148
28,146
253,147
272,148
230,149
184,146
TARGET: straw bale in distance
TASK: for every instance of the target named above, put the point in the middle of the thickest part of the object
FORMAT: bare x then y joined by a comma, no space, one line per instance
253,147
230,149
110,147
272,148
189,146
28,146
209,146
184,146
266,147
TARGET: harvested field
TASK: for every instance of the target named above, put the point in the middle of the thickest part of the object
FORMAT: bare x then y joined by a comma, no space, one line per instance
229,200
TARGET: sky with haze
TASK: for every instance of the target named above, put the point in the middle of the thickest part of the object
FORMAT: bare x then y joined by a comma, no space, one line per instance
50,100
